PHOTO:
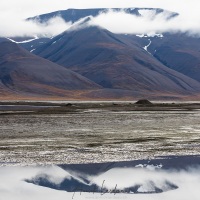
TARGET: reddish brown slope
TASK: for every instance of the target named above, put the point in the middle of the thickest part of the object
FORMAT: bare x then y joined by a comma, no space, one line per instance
115,62
23,72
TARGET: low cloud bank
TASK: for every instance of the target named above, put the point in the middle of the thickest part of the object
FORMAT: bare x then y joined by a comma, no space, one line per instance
23,28
149,22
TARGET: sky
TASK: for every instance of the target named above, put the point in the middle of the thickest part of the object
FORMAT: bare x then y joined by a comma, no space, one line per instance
13,13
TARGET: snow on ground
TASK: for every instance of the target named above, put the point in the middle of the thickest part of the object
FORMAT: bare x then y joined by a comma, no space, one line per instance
32,50
146,47
150,35
25,41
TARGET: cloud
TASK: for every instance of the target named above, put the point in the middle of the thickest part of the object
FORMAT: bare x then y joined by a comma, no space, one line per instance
148,23
35,7
12,27
13,13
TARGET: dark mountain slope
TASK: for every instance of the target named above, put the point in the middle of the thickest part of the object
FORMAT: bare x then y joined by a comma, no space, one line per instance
24,72
179,52
114,61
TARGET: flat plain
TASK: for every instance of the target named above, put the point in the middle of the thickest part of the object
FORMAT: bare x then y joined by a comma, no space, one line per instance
95,132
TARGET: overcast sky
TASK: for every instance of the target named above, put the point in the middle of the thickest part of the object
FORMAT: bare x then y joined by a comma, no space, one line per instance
12,13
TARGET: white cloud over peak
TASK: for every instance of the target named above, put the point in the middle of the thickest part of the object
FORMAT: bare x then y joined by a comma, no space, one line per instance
148,23
13,13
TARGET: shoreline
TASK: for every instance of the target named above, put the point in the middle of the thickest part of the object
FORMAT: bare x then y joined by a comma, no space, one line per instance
168,161
27,107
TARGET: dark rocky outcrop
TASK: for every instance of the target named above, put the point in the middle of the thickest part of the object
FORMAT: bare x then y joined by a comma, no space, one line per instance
143,102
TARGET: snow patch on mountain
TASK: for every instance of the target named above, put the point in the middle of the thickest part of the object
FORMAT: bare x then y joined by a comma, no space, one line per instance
32,50
21,42
146,47
150,35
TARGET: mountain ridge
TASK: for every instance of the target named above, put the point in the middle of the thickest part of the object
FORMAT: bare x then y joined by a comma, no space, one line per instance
25,72
93,62
74,15
94,50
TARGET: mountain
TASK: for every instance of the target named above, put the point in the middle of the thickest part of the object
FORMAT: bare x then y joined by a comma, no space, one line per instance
23,72
28,43
73,15
179,52
99,63
114,61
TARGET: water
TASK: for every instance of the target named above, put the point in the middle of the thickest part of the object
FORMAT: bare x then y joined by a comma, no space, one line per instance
97,136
